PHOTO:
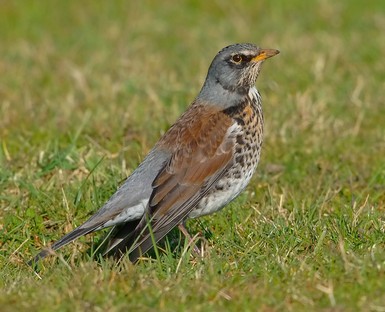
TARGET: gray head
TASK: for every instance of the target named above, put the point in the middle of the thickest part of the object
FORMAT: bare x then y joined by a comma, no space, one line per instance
233,72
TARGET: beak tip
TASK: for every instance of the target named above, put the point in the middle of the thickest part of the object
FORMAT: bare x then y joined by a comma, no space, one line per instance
271,52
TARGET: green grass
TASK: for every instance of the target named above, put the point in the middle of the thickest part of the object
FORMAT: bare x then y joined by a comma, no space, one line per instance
86,89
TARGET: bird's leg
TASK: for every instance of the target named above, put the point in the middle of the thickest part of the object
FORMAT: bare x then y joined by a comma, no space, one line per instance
184,231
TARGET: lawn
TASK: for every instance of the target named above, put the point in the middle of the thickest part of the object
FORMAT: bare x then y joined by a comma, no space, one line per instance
87,88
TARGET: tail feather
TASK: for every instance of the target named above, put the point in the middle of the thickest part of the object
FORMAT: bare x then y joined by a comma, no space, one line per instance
60,243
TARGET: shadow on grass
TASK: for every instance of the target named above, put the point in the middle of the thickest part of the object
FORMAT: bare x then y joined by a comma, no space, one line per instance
173,245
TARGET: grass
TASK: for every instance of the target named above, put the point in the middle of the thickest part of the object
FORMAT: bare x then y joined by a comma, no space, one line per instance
87,89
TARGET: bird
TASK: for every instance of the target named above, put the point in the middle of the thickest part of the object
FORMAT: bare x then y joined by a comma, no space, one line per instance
204,161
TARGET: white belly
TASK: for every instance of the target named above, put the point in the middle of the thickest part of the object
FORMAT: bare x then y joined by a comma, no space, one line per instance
225,191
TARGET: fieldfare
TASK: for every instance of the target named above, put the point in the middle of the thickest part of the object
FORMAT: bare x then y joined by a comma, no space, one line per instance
199,165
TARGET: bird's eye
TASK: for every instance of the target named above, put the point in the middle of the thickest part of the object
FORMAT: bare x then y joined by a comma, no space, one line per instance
236,58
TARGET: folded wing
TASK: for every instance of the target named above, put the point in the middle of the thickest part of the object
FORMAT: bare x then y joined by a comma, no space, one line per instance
202,151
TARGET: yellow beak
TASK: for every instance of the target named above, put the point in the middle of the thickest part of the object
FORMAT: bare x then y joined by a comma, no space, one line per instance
264,54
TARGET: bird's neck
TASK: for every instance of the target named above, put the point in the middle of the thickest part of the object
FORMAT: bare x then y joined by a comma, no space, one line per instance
214,93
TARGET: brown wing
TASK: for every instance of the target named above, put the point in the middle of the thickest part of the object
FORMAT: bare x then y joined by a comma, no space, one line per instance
201,150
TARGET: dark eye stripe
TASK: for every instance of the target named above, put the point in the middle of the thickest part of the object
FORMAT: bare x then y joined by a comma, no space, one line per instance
247,58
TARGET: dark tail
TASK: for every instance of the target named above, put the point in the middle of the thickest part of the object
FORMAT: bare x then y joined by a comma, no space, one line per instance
60,243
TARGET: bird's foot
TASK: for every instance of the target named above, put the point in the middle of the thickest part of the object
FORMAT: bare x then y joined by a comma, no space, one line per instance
191,240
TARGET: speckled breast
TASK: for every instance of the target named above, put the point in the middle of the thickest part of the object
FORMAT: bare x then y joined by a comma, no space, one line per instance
247,131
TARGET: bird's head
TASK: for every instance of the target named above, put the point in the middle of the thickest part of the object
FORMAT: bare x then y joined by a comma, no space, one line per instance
235,69
237,66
